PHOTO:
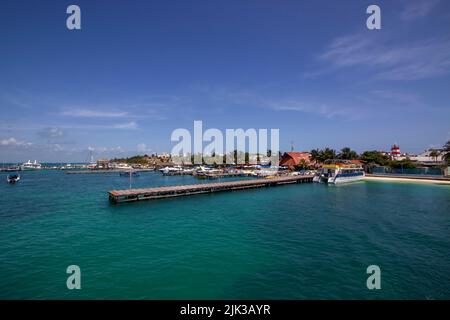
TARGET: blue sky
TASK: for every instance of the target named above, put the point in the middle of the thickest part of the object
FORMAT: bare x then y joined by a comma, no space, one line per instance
137,70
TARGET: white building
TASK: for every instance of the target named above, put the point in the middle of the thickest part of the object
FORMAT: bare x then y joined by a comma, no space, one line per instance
426,158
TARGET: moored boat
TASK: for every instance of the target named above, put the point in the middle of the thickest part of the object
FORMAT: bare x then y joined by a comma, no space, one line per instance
128,173
339,171
203,172
31,165
176,170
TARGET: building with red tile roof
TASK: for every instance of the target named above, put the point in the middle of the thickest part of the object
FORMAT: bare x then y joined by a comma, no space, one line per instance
292,159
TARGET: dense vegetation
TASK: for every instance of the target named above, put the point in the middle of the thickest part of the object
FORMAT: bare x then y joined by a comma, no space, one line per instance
374,157
133,160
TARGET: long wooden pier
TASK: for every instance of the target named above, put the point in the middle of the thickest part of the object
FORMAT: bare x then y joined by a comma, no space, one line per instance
131,195
221,175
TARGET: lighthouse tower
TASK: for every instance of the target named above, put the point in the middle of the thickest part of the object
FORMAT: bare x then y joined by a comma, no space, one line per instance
395,152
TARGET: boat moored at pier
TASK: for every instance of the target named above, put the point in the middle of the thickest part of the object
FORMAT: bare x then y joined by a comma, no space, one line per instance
175,171
31,165
129,173
339,171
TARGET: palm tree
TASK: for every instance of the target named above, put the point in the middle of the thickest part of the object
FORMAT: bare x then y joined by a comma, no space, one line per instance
315,155
329,154
434,154
322,155
347,154
446,151
302,165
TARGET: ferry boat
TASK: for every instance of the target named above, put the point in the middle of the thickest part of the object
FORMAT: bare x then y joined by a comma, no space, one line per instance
339,171
31,165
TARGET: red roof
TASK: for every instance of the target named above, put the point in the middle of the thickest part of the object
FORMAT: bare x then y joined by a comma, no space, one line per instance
358,162
293,158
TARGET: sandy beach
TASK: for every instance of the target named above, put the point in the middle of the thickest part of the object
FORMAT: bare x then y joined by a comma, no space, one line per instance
407,179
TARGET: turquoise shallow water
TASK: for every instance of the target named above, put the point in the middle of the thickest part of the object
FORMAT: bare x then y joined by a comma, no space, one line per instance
289,242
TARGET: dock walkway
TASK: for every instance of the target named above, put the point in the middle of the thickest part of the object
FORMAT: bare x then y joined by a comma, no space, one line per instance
131,195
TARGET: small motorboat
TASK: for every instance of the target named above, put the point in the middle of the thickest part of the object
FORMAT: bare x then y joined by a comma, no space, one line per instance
129,173
13,178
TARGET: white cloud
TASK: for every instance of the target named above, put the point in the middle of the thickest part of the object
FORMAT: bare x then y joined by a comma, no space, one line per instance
53,135
87,113
321,109
415,9
132,125
13,142
392,61
104,150
142,147
398,96
8,142
128,125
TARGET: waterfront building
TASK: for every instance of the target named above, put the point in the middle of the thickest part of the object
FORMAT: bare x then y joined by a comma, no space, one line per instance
292,159
102,164
429,157
395,152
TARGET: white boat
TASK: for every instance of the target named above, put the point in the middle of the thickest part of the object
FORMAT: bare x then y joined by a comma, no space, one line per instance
13,178
177,170
172,170
264,172
121,166
339,171
31,165
203,172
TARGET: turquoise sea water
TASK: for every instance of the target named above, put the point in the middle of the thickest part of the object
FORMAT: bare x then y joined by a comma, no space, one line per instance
288,242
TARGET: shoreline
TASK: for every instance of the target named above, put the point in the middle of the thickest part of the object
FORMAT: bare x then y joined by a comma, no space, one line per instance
407,179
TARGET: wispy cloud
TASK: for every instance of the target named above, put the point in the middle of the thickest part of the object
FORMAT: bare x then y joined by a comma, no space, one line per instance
128,125
131,125
396,96
142,147
45,131
318,108
137,110
87,113
54,135
415,9
103,150
13,142
387,60
292,103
